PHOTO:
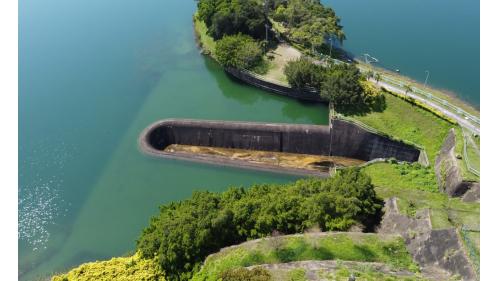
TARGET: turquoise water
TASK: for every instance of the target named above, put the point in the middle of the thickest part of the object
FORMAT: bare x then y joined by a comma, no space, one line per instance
418,35
92,75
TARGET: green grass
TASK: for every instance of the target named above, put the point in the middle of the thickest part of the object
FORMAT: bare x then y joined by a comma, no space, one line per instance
336,246
408,122
459,150
206,41
409,176
445,212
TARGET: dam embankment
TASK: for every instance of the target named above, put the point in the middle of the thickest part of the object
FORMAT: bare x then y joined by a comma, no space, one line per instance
341,138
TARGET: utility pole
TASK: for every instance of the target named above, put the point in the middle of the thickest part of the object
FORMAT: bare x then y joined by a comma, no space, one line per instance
331,45
426,77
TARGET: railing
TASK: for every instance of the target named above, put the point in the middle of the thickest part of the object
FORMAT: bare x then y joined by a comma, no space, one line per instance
471,249
466,156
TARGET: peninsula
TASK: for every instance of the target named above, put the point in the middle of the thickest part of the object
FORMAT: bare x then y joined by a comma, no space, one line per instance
393,189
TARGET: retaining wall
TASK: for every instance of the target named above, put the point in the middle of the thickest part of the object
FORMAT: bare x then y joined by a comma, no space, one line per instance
274,88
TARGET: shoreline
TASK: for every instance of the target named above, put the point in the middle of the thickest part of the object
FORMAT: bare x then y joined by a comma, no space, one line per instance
448,95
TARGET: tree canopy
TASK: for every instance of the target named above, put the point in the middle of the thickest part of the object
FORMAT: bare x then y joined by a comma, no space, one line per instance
308,21
239,51
185,232
303,73
228,17
342,85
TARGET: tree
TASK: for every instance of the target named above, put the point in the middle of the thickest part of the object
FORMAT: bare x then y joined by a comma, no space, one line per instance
342,86
229,17
303,73
377,77
186,232
239,51
407,88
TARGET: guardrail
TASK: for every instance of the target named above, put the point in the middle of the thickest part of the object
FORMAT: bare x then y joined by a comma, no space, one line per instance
471,249
431,97
423,93
466,156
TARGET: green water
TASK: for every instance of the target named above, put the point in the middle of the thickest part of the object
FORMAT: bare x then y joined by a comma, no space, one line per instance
92,75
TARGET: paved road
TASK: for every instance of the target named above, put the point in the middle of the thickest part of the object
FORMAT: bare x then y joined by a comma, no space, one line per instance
461,120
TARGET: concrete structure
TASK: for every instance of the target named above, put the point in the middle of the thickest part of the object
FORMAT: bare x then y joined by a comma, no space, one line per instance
275,88
341,138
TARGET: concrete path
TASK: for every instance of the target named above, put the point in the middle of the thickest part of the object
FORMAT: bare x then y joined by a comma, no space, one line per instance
461,120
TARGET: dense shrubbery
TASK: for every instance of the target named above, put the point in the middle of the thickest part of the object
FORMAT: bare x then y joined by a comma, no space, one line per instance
185,232
303,73
342,85
228,17
116,269
240,51
308,21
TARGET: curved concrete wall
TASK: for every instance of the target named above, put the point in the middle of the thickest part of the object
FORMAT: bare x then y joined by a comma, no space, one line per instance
275,88
303,139
340,139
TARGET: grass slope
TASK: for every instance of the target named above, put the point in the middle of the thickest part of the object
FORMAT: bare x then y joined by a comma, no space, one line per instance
334,246
408,122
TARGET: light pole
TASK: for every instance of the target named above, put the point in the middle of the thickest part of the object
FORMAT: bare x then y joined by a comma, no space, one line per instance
267,42
426,77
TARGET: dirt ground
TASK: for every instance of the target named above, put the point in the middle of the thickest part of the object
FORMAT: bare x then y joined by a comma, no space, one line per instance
281,55
282,159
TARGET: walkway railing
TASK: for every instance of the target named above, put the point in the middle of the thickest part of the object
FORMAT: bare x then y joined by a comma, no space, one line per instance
466,156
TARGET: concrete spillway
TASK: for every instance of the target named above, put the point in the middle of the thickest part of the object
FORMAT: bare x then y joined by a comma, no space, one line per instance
341,138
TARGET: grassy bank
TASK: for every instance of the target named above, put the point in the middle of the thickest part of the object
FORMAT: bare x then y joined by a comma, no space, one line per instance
335,246
408,122
207,43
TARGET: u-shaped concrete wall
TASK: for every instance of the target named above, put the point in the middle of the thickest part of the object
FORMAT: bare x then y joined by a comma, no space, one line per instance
342,138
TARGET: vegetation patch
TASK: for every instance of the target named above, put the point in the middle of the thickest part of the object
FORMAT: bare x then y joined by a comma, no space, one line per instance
334,246
185,232
117,269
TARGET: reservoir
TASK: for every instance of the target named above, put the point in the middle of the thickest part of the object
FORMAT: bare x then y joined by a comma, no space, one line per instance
93,74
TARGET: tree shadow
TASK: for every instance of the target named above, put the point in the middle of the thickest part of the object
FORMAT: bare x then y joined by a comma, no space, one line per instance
378,104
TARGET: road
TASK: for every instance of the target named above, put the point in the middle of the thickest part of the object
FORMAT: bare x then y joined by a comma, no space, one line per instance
461,120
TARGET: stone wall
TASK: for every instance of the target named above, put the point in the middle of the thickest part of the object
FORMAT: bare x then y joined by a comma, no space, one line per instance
274,88
448,173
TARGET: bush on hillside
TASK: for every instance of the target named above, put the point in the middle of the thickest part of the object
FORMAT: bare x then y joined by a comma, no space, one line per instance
116,269
239,51
243,274
185,232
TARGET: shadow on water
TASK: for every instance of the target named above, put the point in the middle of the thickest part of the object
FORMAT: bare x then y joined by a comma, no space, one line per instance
248,95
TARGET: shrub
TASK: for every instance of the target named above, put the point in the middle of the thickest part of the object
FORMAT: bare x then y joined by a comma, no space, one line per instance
185,232
243,274
239,51
116,269
303,73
